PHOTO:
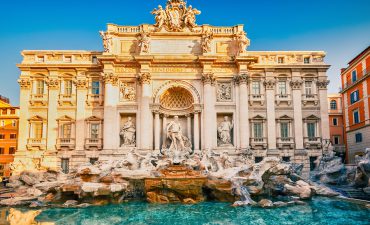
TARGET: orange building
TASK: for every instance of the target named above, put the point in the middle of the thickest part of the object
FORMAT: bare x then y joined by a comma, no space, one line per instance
9,116
356,101
336,120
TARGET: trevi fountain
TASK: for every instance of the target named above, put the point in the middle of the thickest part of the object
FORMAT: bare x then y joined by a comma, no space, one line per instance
203,167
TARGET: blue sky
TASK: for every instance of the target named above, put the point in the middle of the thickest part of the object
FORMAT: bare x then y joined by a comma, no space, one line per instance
339,27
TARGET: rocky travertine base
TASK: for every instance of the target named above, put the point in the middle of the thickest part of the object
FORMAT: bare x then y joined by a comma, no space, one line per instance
119,181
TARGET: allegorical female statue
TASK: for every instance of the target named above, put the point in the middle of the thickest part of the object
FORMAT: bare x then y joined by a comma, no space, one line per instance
128,133
160,17
224,132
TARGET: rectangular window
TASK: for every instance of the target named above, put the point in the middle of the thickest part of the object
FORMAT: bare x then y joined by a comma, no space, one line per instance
94,59
280,60
308,88
258,159
282,88
284,130
356,117
355,97
11,150
335,121
95,87
336,140
354,76
311,130
65,166
13,136
313,164
2,136
14,123
38,130
40,59
2,123
68,59
286,159
93,160
40,87
306,60
94,131
2,151
12,111
358,137
68,87
66,131
256,88
4,111
258,130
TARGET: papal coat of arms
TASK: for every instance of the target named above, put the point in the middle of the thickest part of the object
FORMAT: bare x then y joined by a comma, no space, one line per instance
176,16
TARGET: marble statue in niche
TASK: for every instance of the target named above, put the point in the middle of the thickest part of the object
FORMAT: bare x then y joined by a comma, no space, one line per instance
224,92
224,131
128,133
128,92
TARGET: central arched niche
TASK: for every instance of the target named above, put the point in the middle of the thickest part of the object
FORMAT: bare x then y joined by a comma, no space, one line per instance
176,101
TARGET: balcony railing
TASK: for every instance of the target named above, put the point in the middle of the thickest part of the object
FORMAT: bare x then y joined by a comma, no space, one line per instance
256,98
283,98
96,143
360,75
258,141
38,98
95,98
285,142
36,143
313,142
310,98
65,143
67,99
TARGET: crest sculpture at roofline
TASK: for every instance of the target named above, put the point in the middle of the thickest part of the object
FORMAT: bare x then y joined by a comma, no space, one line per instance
176,16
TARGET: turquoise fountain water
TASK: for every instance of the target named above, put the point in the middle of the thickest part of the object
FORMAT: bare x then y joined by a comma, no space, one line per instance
318,211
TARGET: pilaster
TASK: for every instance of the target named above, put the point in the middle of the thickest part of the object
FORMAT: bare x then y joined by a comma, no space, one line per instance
146,120
270,103
244,136
296,85
322,85
53,84
81,84
111,99
25,93
209,115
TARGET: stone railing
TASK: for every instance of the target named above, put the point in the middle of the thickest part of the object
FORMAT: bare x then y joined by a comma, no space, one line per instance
93,143
38,98
36,142
66,143
284,142
258,142
310,142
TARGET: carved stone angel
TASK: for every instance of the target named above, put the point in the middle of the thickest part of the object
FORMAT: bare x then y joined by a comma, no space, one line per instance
189,17
243,42
107,41
144,42
206,41
160,17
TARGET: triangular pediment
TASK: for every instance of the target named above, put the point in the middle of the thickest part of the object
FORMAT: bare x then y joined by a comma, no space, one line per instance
93,118
65,118
36,118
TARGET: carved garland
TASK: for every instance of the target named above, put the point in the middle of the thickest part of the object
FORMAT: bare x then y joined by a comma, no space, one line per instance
24,83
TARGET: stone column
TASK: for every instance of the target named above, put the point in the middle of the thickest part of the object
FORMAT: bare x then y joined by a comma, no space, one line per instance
296,85
52,124
157,132
146,116
324,114
271,118
164,128
209,110
188,119
82,91
196,130
111,100
243,111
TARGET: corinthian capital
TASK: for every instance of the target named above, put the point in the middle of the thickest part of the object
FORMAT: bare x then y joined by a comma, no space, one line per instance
323,84
24,83
110,78
81,83
270,84
296,84
144,78
209,78
241,79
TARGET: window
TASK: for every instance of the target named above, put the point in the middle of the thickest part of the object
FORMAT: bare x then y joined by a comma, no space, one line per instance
40,59
333,105
2,136
94,59
258,159
38,130
65,166
11,150
95,87
284,130
311,130
40,87
256,88
4,111
308,88
286,159
93,160
94,131
2,122
280,60
282,88
356,116
313,162
68,87
68,59
355,97
13,136
66,131
306,60
258,130
336,140
335,121
2,151
358,137
12,111
14,123
354,76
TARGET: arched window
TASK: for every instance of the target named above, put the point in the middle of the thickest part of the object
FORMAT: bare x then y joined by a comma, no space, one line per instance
333,105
